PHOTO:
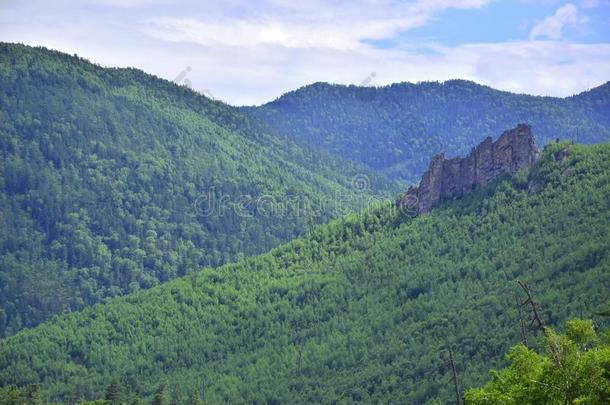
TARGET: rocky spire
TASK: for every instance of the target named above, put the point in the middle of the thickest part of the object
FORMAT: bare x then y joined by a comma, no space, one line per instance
447,179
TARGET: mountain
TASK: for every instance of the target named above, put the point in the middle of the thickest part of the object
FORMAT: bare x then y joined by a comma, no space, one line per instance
112,180
362,309
395,129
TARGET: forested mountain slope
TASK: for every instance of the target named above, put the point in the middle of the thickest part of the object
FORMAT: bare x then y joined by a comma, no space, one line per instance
107,177
360,310
395,129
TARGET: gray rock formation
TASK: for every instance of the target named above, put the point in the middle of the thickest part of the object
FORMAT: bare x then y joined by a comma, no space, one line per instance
447,179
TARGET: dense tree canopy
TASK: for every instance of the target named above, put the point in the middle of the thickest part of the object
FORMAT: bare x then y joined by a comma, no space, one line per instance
396,129
107,176
361,310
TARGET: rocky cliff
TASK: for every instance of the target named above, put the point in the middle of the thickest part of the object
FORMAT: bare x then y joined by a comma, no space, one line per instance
447,179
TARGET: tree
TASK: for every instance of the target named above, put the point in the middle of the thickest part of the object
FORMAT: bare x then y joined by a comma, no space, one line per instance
30,395
159,397
115,392
574,370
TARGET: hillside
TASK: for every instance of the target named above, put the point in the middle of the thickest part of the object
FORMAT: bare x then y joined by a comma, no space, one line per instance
112,180
360,310
395,129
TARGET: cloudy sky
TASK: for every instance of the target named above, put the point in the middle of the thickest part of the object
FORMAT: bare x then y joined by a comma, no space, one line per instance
252,51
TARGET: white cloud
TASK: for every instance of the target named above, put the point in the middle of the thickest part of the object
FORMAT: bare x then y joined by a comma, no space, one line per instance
553,68
324,24
552,26
247,53
254,32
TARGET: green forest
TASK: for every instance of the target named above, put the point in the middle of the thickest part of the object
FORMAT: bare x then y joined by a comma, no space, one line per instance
107,177
395,129
361,310
160,247
572,368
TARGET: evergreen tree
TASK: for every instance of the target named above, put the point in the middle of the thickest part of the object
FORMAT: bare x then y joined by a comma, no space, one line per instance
115,392
159,397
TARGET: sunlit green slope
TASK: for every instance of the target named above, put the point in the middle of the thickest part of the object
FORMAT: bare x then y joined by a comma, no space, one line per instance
361,310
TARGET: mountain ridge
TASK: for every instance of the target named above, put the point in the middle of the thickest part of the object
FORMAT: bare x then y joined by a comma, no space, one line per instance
603,87
393,129
105,174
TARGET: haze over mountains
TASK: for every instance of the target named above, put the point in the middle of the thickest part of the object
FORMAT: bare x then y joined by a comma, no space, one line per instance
210,253
396,129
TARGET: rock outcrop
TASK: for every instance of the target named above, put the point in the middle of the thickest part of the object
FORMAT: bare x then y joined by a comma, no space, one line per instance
447,179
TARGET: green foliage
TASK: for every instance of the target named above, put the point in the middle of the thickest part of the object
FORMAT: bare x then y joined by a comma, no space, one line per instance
115,393
360,310
106,176
603,312
11,395
575,369
396,129
159,397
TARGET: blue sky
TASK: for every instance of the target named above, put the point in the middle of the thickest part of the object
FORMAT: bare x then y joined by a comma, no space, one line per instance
249,52
500,21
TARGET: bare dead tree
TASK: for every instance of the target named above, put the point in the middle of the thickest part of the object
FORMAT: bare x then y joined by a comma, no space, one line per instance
536,319
522,324
533,305
454,378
